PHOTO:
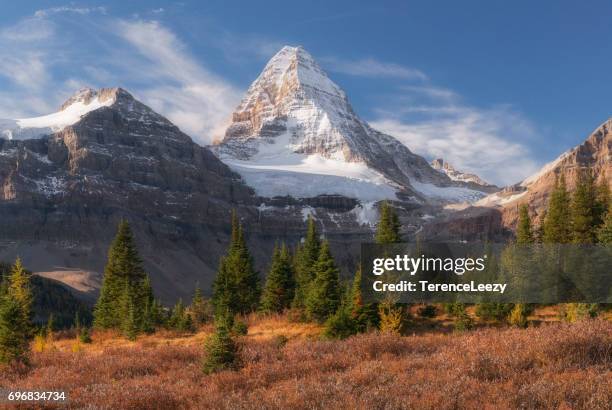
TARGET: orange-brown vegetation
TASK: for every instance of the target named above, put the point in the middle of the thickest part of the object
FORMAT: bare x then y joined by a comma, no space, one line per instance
555,365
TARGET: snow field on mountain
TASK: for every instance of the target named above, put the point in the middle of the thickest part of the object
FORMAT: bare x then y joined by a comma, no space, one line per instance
456,194
37,127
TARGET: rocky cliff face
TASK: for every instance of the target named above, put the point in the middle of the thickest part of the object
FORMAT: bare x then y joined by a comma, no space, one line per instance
62,194
294,121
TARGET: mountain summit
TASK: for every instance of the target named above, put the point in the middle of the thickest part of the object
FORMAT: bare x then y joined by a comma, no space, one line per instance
295,133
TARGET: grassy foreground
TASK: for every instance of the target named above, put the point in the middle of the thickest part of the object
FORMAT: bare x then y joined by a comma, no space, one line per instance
555,365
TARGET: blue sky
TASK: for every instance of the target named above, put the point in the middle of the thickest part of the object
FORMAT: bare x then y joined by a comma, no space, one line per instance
497,88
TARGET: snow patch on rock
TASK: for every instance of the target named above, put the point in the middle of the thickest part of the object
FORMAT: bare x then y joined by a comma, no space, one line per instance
82,103
366,214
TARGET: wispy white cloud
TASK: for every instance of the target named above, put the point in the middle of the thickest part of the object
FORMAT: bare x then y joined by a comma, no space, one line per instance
39,71
431,92
69,9
370,67
184,90
484,141
28,30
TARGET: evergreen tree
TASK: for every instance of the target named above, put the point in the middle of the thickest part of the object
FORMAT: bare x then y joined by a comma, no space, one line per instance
323,297
124,278
278,292
200,308
14,339
220,349
604,233
236,286
556,226
583,209
247,284
364,314
602,202
130,325
224,288
158,316
19,288
180,319
50,328
340,325
388,226
391,314
524,234
16,329
306,257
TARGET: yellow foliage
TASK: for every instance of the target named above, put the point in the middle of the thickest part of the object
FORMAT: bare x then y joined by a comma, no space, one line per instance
40,343
518,316
391,317
76,346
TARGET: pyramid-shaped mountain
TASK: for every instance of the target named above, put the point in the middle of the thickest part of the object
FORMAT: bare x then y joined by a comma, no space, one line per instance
295,133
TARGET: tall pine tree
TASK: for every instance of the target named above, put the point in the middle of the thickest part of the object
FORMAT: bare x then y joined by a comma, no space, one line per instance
279,289
602,201
388,230
126,291
556,222
323,298
604,233
391,314
524,234
200,308
364,314
583,208
236,288
16,328
306,257
19,288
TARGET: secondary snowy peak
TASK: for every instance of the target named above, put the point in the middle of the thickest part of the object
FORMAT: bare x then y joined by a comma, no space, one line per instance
74,109
440,165
81,103
295,128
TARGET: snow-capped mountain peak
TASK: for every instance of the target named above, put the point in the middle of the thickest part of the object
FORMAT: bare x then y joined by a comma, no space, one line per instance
294,66
292,94
81,103
295,133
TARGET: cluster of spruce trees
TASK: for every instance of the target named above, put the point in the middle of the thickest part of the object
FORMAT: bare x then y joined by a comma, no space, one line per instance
581,217
305,281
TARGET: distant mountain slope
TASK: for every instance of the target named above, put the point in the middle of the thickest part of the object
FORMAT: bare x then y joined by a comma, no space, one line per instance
595,153
295,133
441,165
